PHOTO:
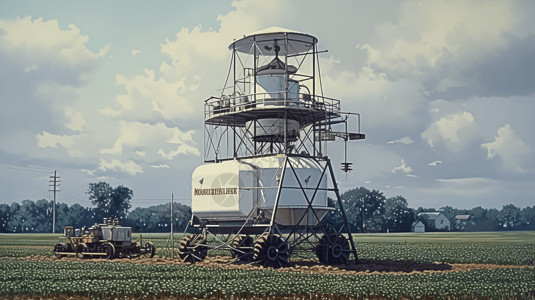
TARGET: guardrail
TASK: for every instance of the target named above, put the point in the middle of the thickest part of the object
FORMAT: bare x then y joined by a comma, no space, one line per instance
214,106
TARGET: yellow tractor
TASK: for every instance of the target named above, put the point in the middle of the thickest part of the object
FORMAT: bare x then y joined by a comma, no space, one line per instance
107,240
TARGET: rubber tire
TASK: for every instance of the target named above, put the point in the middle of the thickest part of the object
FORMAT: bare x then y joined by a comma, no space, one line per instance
271,251
190,248
60,247
243,243
109,249
150,249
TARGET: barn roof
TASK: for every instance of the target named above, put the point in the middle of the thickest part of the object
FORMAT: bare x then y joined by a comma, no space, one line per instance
430,215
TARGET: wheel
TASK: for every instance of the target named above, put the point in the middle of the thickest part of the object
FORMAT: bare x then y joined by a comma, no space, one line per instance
149,250
60,247
271,251
109,249
191,248
333,249
242,248
81,248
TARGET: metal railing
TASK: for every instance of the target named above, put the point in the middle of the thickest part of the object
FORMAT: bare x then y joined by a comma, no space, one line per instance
214,106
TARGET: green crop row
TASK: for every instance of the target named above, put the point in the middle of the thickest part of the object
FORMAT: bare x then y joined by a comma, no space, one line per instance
375,247
25,252
449,252
45,278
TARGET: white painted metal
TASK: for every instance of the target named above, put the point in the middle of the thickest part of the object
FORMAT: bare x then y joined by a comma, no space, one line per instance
274,86
257,180
223,190
298,42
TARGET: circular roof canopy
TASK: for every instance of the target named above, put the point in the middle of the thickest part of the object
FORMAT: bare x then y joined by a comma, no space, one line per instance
298,42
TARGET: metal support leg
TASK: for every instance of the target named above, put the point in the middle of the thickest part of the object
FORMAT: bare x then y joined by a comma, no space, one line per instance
339,199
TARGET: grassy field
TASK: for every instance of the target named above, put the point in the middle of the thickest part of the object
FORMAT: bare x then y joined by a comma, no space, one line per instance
108,280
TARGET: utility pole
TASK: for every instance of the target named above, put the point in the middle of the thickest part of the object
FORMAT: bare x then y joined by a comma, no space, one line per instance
53,183
172,233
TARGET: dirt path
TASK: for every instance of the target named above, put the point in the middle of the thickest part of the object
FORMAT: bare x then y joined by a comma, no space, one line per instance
365,267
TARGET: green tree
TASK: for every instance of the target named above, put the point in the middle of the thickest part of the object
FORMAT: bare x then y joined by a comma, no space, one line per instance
398,216
334,218
509,216
5,217
364,208
23,217
484,219
43,216
109,201
527,217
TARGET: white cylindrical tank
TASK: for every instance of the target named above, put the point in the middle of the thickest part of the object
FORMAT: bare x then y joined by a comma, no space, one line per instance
272,86
223,190
235,189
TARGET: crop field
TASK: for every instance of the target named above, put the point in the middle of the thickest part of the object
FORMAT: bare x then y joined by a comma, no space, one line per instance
393,266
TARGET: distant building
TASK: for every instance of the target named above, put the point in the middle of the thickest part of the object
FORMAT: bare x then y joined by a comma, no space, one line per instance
417,226
435,221
462,220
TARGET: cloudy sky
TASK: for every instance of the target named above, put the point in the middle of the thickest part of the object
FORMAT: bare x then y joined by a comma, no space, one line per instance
113,91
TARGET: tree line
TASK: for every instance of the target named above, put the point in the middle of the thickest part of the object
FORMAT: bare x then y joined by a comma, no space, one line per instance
371,211
366,211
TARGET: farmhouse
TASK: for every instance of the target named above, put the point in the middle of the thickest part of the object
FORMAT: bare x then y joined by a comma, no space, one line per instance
435,221
417,226
462,220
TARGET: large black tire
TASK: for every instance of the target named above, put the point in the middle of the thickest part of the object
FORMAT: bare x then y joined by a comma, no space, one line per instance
192,248
150,250
333,249
271,251
60,247
242,248
109,249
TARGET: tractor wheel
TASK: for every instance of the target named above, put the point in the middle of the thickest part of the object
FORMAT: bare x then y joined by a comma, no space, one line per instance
109,249
242,248
192,248
149,250
271,251
60,247
81,248
333,249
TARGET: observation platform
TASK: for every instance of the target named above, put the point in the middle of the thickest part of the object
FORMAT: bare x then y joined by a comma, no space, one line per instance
239,109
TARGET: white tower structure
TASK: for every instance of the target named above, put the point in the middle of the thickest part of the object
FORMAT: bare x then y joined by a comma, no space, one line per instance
267,180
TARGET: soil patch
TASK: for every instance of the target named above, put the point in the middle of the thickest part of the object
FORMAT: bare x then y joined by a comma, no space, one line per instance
365,266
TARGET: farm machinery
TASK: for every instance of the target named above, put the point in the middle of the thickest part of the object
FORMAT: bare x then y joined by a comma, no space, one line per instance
267,183
107,240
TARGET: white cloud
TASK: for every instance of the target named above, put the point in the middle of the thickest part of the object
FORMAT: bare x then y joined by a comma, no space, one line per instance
403,168
88,172
182,149
130,167
509,147
406,140
151,138
35,42
75,119
454,131
429,32
68,142
160,166
151,97
435,163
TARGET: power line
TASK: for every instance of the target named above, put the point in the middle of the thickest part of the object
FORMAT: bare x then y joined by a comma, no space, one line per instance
35,171
26,166
75,193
